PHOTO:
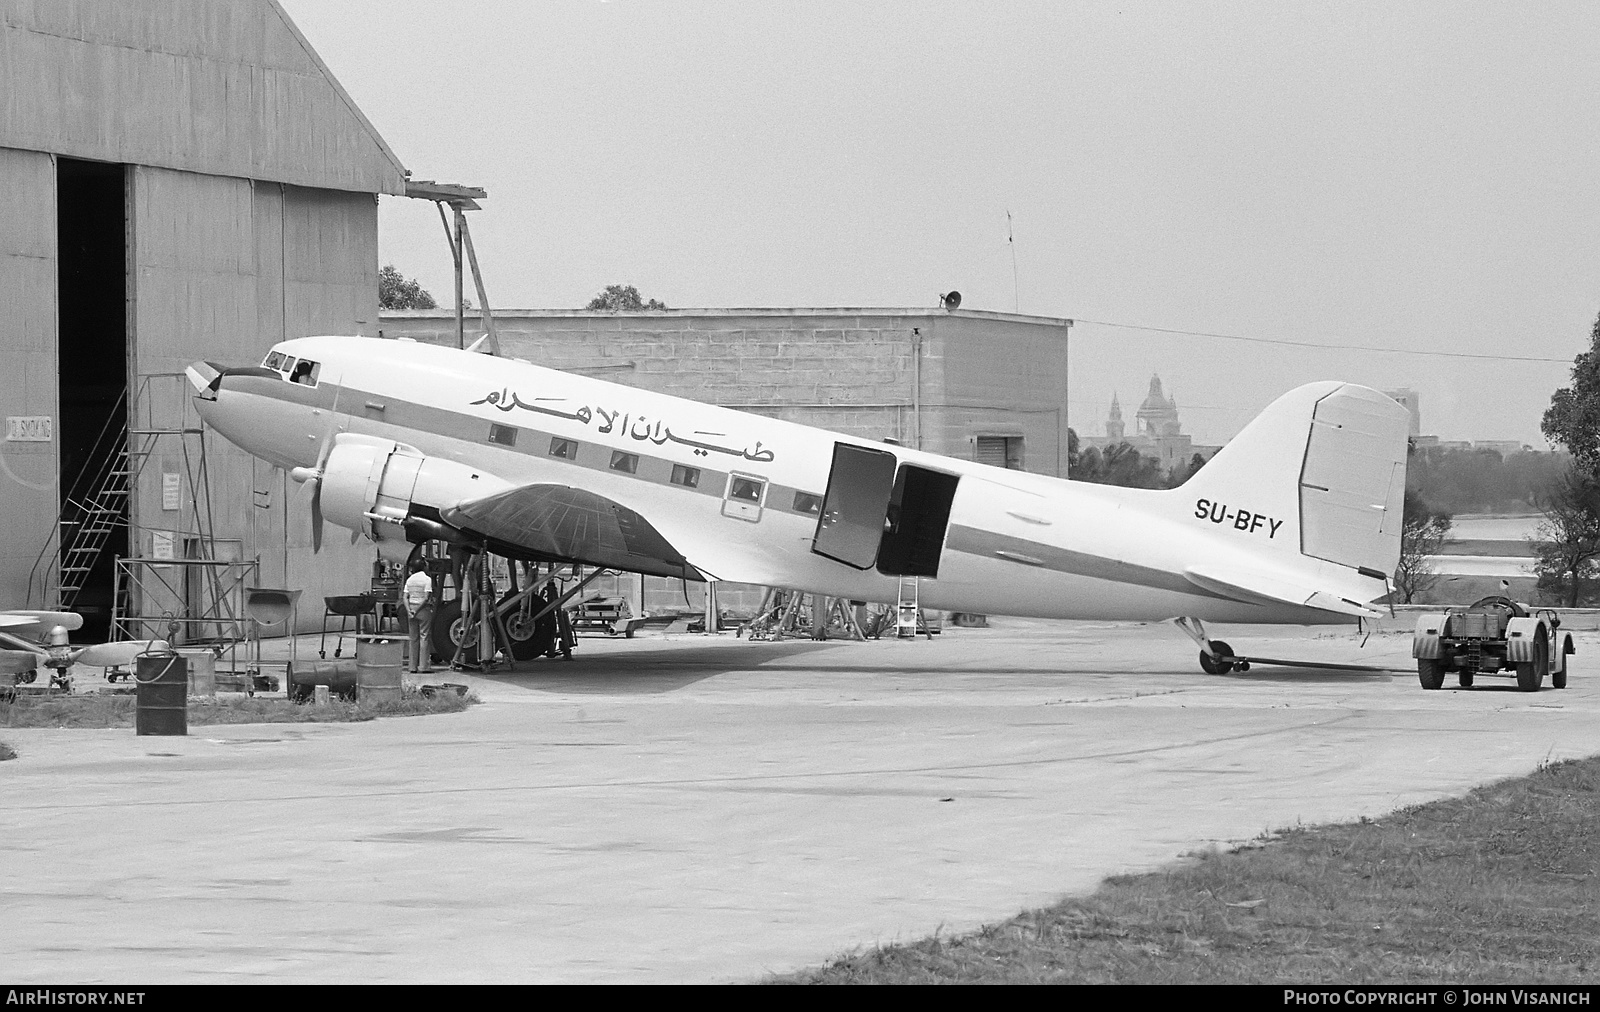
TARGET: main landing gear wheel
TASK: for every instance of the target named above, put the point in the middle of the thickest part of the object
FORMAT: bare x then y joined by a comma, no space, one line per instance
1530,674
1214,665
529,638
1430,672
448,633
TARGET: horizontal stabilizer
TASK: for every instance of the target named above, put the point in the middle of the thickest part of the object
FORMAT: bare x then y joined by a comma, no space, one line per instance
1270,590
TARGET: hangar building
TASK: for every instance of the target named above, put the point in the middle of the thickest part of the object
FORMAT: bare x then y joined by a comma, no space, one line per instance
178,179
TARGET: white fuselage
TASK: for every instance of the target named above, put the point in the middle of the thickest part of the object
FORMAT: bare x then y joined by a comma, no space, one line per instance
1016,543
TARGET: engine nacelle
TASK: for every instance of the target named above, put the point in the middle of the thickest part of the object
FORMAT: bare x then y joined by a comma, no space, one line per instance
371,485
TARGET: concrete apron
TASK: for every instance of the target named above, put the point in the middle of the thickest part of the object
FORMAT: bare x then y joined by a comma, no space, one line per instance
703,809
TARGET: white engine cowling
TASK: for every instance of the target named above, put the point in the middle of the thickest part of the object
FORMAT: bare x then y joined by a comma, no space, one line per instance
365,478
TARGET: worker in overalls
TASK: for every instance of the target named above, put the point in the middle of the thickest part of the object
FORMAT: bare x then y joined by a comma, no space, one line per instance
418,596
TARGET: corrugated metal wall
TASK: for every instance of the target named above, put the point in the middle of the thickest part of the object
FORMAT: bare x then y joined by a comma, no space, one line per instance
28,381
215,86
224,268
253,218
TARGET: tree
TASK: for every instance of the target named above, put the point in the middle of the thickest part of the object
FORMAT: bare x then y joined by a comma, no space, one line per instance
1423,531
1573,419
1566,549
622,299
396,291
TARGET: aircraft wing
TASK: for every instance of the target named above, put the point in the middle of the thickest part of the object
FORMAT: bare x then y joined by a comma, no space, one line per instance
1262,588
43,620
564,524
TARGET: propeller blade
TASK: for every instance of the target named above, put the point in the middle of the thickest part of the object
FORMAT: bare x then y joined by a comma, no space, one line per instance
316,518
322,463
117,655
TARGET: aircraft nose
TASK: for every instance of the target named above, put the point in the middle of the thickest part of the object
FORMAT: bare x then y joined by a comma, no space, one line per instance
206,378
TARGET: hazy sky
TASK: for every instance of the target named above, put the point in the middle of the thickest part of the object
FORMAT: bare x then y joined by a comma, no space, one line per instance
1395,176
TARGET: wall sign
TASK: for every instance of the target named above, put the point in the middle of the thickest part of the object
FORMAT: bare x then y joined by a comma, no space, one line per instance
29,428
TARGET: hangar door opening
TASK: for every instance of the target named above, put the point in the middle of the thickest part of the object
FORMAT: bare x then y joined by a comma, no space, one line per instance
92,371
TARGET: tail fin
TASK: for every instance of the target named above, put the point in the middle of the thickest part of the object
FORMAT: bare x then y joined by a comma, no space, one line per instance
1322,470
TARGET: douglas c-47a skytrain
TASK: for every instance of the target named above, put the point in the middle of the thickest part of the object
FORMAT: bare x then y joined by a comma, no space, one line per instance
1297,520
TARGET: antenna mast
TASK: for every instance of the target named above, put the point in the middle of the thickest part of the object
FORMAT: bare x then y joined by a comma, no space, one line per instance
1016,300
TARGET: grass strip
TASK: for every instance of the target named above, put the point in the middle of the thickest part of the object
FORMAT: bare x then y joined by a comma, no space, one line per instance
92,711
1500,886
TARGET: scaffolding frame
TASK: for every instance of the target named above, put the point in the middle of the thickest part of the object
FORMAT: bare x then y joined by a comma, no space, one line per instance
189,595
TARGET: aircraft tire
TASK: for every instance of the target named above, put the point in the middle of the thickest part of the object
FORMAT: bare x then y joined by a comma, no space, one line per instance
1210,665
448,630
1530,674
1430,672
1465,678
530,639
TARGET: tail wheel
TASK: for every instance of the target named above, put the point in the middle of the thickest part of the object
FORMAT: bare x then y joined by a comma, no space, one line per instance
449,632
1215,665
1430,672
1530,674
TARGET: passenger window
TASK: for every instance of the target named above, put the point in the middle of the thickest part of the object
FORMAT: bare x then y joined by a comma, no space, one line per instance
566,449
688,477
743,498
305,371
805,502
505,435
627,463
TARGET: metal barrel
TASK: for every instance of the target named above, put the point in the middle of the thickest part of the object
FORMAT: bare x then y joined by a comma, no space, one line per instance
162,704
339,676
202,672
378,667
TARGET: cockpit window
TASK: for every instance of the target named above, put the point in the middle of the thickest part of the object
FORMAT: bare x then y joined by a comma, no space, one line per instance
305,371
277,360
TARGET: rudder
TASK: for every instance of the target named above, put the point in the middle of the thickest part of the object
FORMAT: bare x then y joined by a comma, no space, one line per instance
1328,459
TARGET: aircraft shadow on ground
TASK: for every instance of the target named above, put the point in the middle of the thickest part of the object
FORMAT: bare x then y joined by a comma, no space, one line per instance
645,671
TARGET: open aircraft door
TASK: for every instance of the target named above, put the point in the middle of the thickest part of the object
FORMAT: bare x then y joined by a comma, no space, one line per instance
877,514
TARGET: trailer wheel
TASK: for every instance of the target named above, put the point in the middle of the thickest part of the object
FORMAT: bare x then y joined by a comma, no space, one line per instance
1530,674
1430,672
1558,679
1466,679
1213,665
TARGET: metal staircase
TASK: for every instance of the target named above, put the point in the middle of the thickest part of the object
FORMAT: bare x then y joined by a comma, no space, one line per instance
87,524
92,509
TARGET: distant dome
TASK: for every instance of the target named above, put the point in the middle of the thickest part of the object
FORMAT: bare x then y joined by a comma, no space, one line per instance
1155,401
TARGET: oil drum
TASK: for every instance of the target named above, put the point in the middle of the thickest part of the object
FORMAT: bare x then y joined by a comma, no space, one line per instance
378,666
162,703
339,676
